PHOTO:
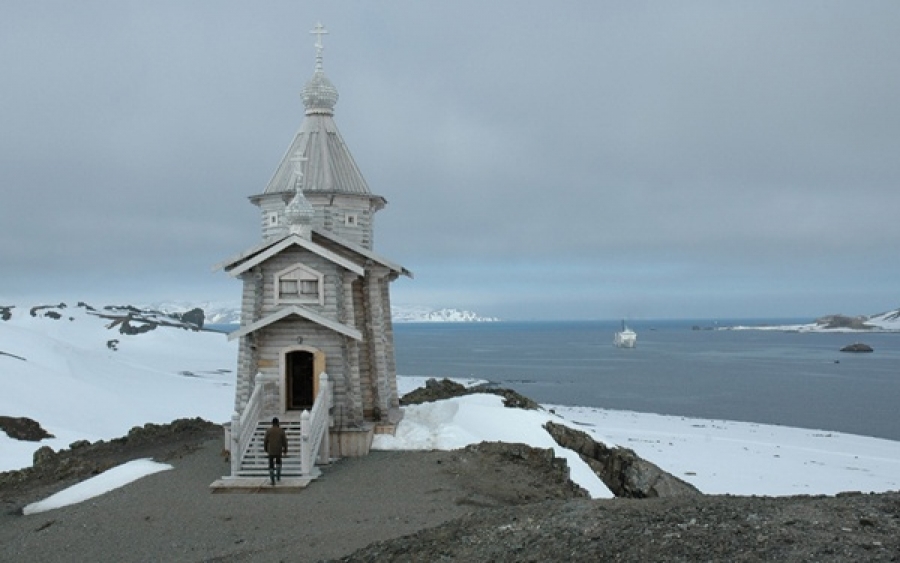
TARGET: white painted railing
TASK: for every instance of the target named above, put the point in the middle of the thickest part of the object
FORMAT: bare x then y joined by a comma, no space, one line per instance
243,426
313,426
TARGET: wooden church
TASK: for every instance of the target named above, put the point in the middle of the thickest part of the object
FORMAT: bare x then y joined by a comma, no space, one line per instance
316,345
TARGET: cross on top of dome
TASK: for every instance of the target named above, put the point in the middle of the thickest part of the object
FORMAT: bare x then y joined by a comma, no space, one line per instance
319,94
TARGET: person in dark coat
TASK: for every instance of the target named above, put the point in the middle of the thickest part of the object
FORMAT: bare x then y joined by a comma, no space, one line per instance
276,445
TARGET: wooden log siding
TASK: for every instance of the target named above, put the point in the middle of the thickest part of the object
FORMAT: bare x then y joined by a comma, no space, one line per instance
388,332
375,338
354,408
331,212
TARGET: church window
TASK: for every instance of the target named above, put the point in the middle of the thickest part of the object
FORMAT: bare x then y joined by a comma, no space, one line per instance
350,220
287,289
299,284
273,219
309,287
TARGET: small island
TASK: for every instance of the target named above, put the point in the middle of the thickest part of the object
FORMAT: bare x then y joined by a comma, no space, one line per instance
857,347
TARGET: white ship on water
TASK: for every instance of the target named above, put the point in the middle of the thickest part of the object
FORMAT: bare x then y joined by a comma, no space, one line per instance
625,338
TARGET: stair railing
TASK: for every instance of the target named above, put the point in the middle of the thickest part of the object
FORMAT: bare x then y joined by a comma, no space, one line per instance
243,426
313,427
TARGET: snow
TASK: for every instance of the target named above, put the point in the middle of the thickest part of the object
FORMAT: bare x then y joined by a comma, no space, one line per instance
716,456
62,374
78,388
95,486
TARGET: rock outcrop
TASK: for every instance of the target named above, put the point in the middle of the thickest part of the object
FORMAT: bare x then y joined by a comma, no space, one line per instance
843,321
623,471
23,428
438,390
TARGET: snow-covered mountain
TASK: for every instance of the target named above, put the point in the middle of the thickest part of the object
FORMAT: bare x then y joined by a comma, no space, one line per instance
219,312
418,314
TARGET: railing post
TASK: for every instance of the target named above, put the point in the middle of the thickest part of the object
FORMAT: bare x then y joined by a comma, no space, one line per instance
305,454
325,443
235,446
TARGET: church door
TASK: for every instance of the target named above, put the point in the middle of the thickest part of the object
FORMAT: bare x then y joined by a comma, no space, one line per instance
300,379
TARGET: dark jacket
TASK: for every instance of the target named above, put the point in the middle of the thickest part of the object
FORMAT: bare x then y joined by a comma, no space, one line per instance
275,442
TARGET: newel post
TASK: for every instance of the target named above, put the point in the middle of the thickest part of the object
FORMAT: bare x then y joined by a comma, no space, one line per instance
305,454
234,454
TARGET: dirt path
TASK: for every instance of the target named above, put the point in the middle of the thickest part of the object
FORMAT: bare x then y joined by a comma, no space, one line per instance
172,516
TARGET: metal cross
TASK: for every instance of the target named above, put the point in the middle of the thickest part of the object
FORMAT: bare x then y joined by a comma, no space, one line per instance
319,31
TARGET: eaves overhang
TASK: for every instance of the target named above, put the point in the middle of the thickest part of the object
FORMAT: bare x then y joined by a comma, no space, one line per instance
256,255
302,312
362,251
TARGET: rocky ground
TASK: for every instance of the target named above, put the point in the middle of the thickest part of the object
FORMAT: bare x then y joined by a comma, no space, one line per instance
487,502
848,528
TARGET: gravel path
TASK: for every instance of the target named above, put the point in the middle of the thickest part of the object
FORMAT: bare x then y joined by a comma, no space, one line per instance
172,516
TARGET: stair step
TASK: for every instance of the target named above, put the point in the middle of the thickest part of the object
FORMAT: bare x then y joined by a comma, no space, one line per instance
256,462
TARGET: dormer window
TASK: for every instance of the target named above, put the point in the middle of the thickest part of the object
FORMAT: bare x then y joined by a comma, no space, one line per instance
351,219
299,284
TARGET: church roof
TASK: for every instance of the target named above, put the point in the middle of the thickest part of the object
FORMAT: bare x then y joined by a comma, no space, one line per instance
300,312
239,264
364,252
325,160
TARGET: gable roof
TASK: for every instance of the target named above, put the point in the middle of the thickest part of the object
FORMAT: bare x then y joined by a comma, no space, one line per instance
362,251
239,264
300,311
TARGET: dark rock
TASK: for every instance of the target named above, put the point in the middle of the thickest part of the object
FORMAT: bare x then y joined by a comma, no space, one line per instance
195,317
43,456
843,321
438,390
857,347
623,471
434,390
519,474
54,470
6,312
23,428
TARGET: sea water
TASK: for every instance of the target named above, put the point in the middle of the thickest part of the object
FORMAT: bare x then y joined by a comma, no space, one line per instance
686,368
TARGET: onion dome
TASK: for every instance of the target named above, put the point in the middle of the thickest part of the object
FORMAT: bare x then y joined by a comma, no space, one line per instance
319,94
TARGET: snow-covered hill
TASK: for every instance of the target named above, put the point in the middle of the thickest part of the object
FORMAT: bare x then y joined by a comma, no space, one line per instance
889,321
94,373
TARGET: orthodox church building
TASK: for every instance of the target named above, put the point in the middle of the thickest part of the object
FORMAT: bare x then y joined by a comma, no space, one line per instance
315,309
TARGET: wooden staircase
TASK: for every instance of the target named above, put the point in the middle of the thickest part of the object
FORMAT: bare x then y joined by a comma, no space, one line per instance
256,462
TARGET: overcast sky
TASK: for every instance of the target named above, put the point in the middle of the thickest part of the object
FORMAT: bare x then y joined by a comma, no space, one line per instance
540,159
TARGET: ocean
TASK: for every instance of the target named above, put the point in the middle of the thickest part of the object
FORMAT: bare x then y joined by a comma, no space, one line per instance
784,378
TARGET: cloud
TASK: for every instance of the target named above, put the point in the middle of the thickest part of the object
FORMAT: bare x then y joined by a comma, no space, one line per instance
703,138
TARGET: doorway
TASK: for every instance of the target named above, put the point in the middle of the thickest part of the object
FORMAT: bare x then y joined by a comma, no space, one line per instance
300,379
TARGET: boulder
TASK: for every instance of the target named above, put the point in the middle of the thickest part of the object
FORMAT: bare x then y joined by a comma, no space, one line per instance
23,428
